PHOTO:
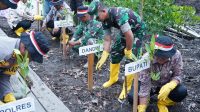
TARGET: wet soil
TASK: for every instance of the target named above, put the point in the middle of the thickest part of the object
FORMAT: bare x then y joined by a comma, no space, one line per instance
68,79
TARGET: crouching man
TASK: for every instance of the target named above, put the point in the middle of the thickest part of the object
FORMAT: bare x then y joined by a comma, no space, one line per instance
88,32
167,67
34,45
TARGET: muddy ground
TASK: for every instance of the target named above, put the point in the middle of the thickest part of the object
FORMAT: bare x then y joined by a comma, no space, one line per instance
70,85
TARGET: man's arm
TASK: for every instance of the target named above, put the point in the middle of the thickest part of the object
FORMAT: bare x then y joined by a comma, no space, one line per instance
129,39
48,17
145,87
178,68
76,36
107,43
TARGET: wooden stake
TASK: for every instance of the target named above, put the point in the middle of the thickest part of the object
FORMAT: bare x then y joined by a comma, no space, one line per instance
125,86
38,12
90,71
135,98
64,43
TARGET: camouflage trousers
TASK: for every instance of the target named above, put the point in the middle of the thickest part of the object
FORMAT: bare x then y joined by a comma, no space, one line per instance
117,49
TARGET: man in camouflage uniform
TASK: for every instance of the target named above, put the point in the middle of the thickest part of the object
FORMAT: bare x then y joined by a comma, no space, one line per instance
126,42
93,7
167,66
88,31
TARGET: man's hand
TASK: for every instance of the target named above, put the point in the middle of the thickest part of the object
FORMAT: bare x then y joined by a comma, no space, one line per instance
72,43
55,30
43,28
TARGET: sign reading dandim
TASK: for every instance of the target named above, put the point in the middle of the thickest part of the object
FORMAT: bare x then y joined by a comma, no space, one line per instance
90,49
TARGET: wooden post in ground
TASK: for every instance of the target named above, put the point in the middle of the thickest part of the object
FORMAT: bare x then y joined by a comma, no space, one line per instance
135,98
38,12
90,71
64,43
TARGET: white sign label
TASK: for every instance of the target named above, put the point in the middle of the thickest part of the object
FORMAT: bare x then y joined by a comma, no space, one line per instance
23,105
137,66
90,49
63,23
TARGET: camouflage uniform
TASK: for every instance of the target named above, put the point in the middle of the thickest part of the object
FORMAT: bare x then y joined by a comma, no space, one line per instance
123,19
91,29
93,7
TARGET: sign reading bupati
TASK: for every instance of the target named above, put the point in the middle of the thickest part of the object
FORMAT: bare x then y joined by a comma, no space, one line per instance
137,66
23,105
90,49
63,23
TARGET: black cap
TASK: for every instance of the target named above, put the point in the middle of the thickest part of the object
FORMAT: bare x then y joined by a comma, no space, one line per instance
11,3
164,47
36,44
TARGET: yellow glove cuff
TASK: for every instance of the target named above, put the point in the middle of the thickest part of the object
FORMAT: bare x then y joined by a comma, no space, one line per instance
172,84
127,51
142,108
105,53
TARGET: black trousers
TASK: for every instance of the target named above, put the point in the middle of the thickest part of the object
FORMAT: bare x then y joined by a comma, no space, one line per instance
176,95
25,24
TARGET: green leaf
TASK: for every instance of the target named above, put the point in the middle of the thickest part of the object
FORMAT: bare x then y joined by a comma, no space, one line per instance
155,76
147,47
152,44
134,57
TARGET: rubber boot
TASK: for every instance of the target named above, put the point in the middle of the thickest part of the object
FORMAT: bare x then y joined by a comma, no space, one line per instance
19,31
114,72
9,98
129,79
162,105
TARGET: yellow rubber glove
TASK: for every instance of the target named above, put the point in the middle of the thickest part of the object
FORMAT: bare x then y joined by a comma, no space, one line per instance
142,108
166,89
128,53
104,56
38,17
9,98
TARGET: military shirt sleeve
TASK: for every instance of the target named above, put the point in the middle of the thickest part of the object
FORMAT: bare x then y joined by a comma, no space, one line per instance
178,67
93,32
122,20
106,28
79,32
145,83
